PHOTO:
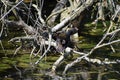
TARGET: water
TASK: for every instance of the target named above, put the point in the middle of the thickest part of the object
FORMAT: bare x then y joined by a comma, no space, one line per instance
19,68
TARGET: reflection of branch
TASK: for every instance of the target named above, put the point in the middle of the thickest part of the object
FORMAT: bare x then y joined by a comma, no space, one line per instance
19,71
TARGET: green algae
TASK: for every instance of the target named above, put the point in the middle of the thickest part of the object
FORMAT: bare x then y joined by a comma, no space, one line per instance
4,66
23,65
86,46
117,55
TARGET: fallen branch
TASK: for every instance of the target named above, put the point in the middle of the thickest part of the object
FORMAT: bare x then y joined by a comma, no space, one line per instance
21,24
75,14
98,61
99,45
49,45
56,64
106,44
39,13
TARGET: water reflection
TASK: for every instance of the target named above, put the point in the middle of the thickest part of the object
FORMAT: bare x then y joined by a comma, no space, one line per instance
23,70
38,74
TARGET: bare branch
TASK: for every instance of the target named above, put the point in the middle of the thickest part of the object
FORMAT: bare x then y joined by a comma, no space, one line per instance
39,13
75,14
49,45
21,24
99,45
10,10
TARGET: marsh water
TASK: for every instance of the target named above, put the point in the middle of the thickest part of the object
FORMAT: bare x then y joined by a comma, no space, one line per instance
20,67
